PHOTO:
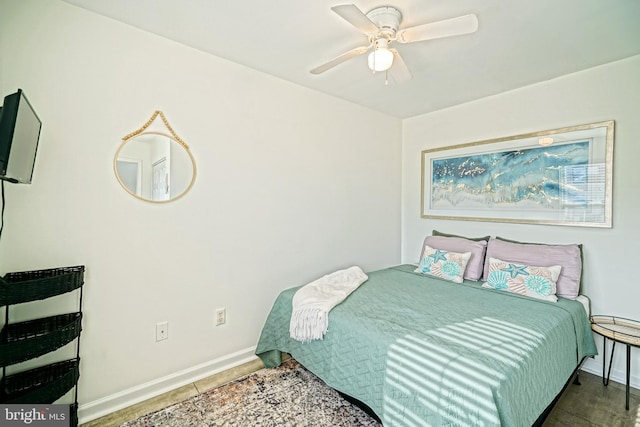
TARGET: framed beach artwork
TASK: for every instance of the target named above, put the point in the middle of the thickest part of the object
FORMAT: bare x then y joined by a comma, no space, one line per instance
554,177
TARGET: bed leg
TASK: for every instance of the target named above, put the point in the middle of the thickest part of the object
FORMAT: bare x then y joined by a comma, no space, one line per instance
576,379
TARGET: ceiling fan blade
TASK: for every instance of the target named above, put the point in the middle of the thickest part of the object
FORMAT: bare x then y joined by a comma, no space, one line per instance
340,59
399,71
449,27
354,16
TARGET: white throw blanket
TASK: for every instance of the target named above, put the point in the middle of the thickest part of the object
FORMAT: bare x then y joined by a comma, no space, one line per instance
312,302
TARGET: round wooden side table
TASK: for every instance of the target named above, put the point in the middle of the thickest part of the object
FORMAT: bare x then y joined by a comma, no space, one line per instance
617,329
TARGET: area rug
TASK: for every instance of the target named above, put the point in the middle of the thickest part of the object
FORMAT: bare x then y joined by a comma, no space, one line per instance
288,395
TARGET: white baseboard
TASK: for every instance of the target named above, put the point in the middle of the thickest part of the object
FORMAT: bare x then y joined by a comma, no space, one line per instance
106,405
594,366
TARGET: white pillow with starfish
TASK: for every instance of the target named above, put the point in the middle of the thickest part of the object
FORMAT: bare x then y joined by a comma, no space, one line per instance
443,264
532,281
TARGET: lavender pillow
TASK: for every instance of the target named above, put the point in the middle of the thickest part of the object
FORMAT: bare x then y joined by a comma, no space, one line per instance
567,256
460,245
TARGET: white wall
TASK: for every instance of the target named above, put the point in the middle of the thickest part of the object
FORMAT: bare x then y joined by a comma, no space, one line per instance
291,184
609,92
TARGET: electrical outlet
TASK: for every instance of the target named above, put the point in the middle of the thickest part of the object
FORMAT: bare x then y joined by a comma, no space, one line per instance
221,316
162,331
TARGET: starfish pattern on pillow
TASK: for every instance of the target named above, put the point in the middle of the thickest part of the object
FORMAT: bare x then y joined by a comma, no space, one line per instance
515,270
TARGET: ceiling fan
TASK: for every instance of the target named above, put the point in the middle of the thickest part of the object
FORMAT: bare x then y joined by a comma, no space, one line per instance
381,26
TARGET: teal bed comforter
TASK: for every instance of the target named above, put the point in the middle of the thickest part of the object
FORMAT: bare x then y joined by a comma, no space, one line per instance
422,351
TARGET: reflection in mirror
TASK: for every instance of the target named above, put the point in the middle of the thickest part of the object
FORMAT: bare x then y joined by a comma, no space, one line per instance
155,167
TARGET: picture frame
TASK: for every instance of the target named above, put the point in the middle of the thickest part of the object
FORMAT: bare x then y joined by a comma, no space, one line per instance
554,177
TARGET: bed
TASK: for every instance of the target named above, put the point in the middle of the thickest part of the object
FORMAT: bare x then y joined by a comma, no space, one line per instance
419,350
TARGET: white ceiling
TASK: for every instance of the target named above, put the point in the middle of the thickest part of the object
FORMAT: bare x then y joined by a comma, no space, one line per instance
519,42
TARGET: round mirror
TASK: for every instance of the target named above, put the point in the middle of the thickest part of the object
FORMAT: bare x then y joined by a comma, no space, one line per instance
153,166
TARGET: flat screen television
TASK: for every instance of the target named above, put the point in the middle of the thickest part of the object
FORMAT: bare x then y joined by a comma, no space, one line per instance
19,135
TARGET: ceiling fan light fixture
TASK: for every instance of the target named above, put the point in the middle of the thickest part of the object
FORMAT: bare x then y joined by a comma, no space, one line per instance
380,59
